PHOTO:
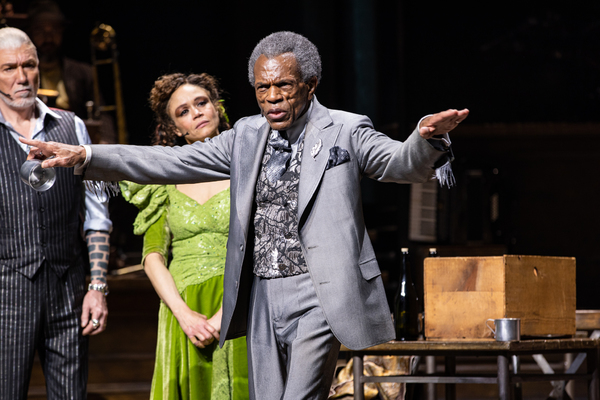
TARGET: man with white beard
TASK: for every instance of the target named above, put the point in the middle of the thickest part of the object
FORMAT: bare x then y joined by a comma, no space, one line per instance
43,302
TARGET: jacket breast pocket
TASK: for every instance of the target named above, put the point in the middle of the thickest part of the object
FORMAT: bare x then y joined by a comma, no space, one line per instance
340,168
369,269
341,176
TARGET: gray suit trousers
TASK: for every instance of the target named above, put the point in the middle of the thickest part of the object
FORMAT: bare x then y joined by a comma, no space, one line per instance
292,352
42,314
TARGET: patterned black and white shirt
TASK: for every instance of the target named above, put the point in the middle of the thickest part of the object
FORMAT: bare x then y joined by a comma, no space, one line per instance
277,250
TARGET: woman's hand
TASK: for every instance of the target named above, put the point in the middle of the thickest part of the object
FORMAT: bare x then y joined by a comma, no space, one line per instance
215,322
194,324
197,328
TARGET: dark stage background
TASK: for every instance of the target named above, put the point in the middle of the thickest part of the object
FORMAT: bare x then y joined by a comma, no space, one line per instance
530,76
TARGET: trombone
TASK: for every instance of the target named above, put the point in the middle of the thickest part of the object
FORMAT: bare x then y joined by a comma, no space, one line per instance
102,40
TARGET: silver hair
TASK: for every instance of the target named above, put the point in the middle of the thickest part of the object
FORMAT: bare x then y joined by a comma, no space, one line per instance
13,38
306,54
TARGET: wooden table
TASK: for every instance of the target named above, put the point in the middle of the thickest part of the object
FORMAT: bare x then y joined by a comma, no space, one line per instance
587,320
587,323
502,350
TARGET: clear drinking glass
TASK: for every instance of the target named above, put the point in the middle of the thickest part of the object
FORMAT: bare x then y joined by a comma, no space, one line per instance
38,178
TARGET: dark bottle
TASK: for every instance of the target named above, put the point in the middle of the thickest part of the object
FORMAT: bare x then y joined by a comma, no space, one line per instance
406,305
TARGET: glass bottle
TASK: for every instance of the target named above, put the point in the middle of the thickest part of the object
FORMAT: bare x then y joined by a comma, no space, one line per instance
406,304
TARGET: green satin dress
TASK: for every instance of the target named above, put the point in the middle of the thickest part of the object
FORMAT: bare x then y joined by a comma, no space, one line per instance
196,234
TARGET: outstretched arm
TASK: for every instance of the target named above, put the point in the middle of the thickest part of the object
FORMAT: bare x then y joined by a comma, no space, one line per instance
199,162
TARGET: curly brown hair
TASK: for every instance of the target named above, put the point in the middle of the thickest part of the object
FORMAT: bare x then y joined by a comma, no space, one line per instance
164,87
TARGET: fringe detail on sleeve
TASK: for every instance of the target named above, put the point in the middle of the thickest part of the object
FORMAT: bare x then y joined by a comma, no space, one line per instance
445,176
98,187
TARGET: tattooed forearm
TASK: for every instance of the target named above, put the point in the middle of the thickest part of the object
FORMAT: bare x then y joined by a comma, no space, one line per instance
99,251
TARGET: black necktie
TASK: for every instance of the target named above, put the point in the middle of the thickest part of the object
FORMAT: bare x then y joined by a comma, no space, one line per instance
277,164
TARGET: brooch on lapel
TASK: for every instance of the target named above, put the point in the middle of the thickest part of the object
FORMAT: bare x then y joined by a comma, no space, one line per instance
316,148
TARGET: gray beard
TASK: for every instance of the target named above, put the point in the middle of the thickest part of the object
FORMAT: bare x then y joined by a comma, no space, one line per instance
24,102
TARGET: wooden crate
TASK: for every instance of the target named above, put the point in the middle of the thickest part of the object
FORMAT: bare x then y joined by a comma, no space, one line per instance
461,293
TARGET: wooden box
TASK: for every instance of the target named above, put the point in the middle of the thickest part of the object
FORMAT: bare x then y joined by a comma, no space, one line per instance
461,293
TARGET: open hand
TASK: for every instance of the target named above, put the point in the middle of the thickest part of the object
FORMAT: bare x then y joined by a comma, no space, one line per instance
442,122
63,155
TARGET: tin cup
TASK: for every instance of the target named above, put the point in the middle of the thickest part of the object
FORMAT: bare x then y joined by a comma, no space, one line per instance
38,178
507,329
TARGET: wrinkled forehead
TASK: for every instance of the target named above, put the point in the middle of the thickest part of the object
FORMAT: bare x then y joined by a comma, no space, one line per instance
283,64
18,55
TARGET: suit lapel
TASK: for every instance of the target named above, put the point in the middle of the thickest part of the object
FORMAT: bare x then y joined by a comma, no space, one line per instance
252,142
320,134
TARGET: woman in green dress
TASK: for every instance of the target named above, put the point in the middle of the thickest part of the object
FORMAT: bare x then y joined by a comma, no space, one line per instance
188,225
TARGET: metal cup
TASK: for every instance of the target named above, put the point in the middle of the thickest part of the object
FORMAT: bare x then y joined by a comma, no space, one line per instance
507,329
38,178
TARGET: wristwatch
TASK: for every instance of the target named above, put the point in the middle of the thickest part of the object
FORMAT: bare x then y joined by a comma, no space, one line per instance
101,287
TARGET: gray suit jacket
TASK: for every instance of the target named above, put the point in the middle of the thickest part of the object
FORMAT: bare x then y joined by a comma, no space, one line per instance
334,239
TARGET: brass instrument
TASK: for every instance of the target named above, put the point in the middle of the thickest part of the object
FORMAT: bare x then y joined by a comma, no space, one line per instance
103,42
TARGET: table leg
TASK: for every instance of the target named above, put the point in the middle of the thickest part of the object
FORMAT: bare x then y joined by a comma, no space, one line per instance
357,369
516,362
430,388
569,386
503,378
450,370
592,367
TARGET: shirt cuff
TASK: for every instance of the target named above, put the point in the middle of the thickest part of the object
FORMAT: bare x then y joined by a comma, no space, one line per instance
440,142
80,168
445,139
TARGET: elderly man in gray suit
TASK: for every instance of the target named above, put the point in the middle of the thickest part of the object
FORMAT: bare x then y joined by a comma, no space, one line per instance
301,274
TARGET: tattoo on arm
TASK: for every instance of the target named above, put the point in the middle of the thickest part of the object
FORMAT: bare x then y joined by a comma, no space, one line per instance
99,251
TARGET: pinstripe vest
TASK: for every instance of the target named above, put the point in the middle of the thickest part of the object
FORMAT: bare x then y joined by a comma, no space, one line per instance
38,226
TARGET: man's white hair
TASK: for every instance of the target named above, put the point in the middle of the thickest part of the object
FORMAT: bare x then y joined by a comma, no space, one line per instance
13,38
306,53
